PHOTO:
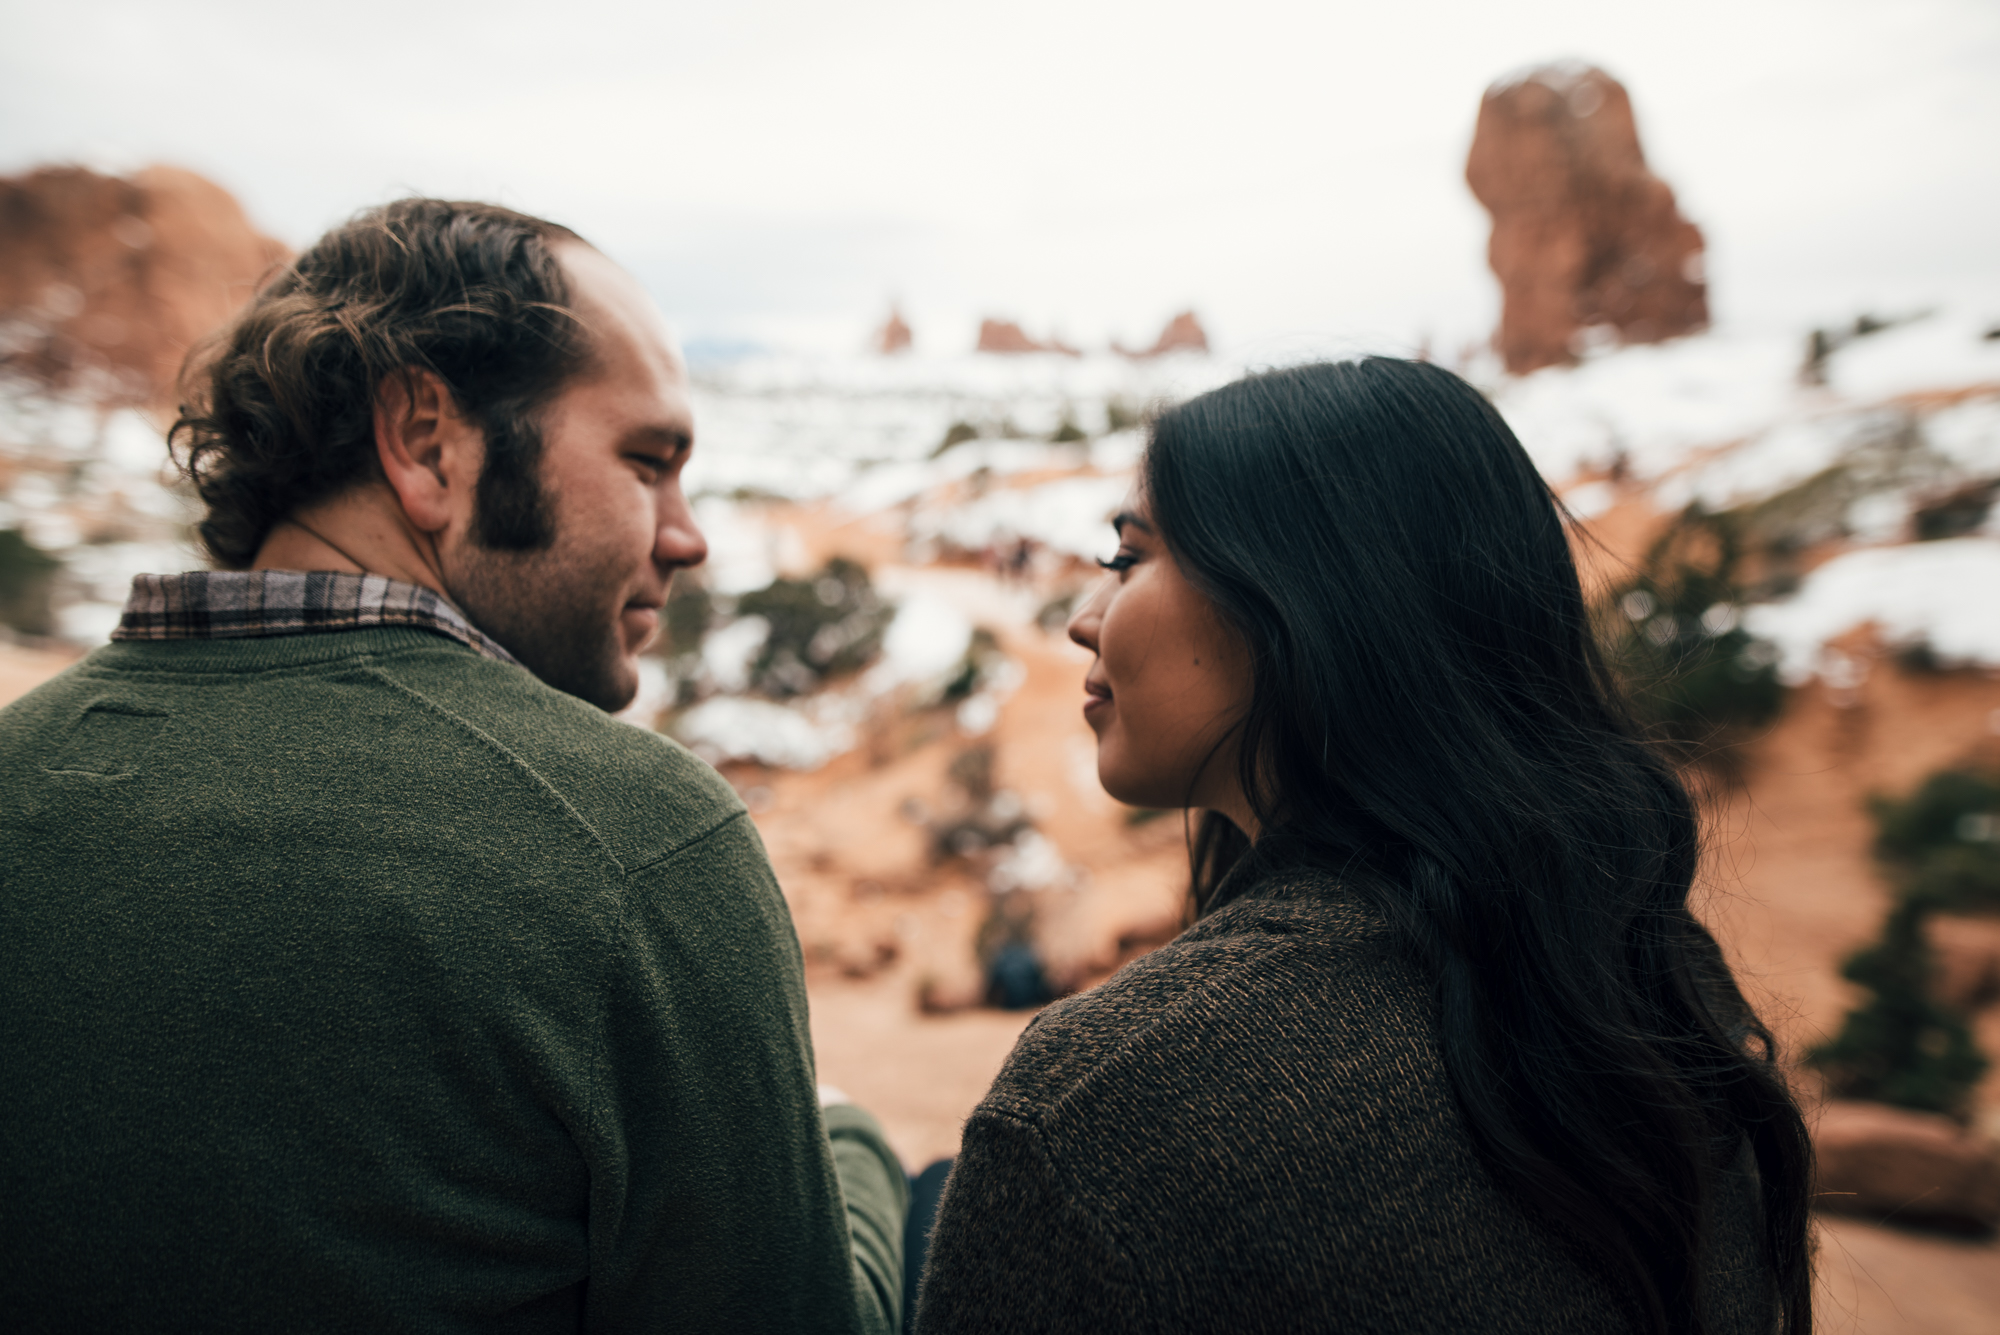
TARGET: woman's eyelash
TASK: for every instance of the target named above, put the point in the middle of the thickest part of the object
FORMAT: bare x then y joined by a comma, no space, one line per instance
1122,561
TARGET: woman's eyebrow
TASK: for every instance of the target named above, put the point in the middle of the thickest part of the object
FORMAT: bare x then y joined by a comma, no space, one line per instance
1124,517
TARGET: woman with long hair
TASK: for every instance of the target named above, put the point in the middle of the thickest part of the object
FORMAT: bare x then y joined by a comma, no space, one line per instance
1444,1048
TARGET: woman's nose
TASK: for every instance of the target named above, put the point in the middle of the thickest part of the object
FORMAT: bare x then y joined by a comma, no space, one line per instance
1085,621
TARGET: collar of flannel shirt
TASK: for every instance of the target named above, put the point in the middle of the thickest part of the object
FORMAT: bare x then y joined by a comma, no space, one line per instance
245,604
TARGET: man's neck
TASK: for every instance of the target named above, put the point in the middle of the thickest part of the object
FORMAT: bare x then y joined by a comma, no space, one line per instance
362,531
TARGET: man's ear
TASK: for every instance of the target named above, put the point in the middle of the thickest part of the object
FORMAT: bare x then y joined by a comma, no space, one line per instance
430,454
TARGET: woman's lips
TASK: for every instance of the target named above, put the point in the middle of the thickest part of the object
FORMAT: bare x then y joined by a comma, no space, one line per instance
1100,698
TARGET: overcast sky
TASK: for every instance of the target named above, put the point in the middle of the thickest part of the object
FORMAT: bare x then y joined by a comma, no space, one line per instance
778,170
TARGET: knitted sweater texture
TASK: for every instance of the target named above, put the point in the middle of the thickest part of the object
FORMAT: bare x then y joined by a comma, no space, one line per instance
1251,1129
353,981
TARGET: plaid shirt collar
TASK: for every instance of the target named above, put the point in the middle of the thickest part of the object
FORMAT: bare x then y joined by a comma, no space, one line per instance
245,604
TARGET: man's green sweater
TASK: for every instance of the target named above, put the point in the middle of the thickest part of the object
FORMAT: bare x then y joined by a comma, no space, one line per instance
356,981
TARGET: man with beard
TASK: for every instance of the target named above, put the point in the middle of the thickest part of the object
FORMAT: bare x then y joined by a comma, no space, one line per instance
357,971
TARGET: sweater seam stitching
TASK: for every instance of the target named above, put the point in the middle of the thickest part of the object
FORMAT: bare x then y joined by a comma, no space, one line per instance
728,818
366,663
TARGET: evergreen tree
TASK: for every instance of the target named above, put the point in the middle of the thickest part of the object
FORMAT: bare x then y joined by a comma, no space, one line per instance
1900,1046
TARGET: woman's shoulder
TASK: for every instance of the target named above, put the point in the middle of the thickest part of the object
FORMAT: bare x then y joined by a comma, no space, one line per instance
1261,1109
1298,950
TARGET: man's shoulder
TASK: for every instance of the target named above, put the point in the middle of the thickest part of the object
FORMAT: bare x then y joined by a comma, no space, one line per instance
344,705
643,794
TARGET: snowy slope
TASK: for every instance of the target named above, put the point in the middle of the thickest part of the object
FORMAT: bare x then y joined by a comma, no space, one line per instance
1723,420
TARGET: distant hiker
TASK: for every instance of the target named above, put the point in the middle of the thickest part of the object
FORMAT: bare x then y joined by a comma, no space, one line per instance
1444,1049
357,971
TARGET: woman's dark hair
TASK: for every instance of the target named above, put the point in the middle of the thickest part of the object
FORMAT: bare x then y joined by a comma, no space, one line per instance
1431,719
280,412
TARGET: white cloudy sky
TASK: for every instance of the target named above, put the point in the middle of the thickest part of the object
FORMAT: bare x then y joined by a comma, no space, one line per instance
778,169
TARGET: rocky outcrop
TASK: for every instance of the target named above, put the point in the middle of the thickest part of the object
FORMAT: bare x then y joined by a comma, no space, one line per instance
1182,334
1585,238
1004,336
894,336
1915,1168
107,281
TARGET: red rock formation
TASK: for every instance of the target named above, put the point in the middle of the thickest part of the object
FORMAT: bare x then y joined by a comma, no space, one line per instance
106,282
1182,334
894,335
1881,1161
1584,236
1008,337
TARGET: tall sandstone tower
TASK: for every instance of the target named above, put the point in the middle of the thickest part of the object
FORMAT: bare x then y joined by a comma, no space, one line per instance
1584,235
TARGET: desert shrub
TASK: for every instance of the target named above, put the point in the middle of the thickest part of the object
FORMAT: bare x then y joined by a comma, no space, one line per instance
1821,344
982,659
956,434
1695,677
1053,615
689,612
27,582
972,770
823,626
1068,432
1956,514
1919,658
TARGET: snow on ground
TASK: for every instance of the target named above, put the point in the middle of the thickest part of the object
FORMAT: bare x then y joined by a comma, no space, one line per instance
1068,516
811,428
1942,350
1943,595
740,728
1657,407
1968,434
92,488
922,645
1653,406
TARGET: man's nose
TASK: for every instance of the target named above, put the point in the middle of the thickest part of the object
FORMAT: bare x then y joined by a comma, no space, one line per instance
679,541
1085,621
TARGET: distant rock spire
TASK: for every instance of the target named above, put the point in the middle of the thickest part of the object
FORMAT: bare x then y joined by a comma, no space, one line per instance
1585,237
894,335
1004,336
1182,334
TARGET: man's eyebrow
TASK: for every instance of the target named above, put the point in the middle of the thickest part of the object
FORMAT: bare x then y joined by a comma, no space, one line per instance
676,439
1124,517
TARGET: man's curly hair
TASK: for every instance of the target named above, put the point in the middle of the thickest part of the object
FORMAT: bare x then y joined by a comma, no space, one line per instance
280,405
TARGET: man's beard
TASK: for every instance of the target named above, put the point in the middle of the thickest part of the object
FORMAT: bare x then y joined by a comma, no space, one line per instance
556,610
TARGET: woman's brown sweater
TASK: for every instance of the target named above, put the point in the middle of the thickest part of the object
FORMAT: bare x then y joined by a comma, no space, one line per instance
1251,1129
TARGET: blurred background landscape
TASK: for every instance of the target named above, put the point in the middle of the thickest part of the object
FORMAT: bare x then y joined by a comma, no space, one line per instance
1729,271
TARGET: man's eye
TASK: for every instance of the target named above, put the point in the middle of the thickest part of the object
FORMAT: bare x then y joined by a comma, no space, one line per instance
1122,562
654,465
